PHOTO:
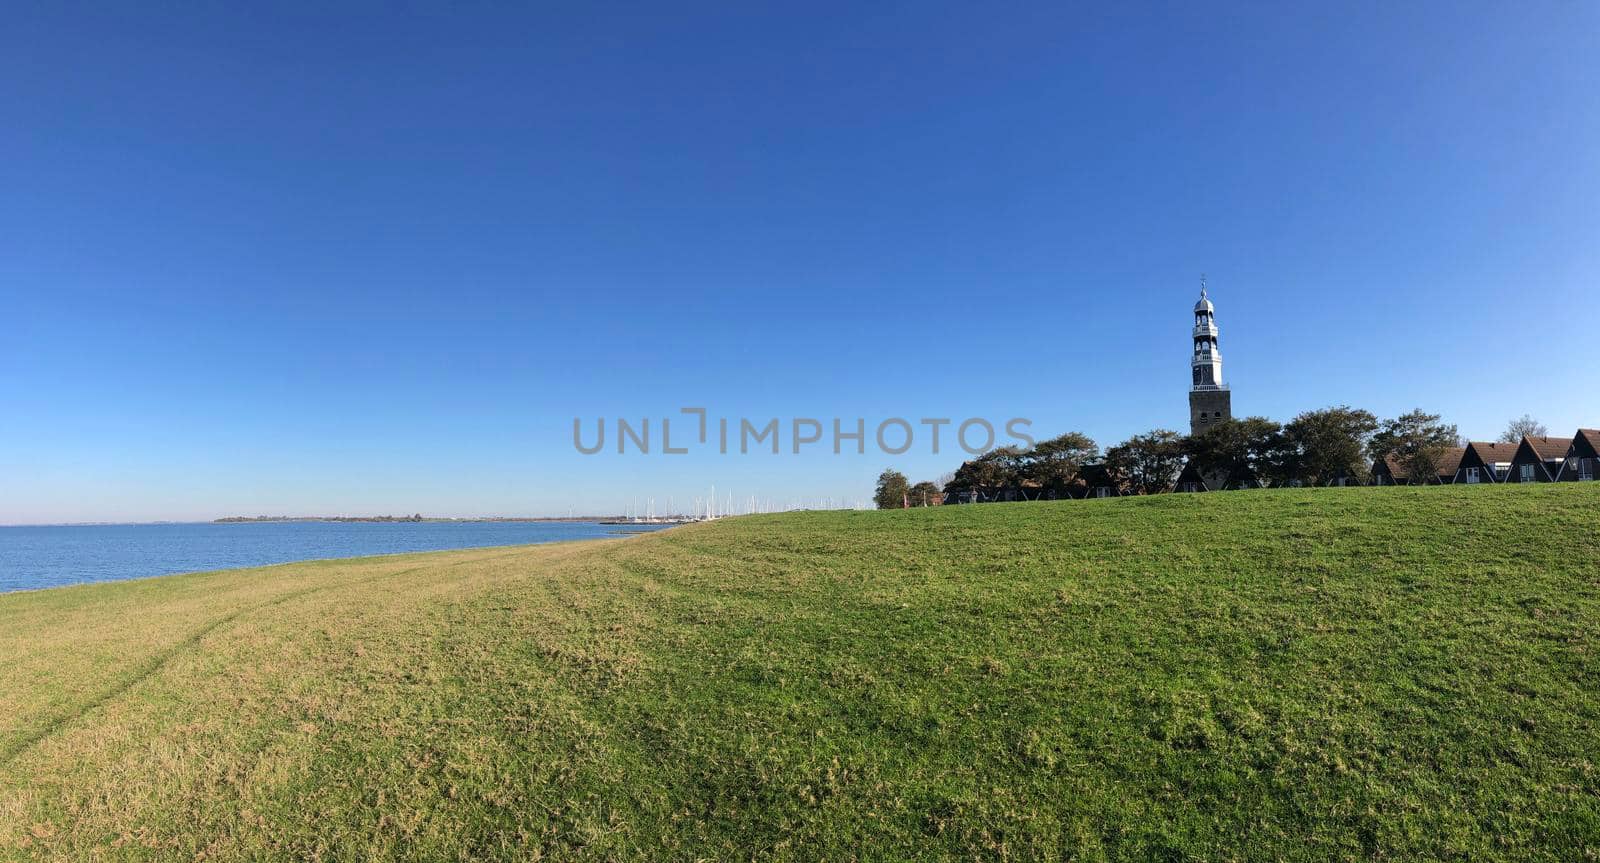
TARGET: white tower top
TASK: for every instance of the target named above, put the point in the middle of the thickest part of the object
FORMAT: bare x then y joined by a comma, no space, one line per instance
1206,361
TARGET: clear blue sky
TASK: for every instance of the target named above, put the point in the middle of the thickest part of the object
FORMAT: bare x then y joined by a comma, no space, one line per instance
267,259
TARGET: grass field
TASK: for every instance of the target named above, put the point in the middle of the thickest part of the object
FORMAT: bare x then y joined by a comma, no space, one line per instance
1288,675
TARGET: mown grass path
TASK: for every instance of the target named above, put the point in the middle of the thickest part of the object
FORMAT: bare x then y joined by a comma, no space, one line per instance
1290,675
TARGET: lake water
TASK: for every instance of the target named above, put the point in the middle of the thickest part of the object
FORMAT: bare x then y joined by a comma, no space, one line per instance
35,557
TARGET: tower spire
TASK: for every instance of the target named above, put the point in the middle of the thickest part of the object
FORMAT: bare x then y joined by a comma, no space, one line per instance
1209,399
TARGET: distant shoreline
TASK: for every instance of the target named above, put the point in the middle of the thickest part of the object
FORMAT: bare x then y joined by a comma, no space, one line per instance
400,519
58,556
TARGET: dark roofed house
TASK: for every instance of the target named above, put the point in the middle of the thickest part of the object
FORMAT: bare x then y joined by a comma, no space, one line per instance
1342,477
1237,481
1190,479
1538,459
1485,462
1099,482
1449,463
1391,471
1583,457
1027,489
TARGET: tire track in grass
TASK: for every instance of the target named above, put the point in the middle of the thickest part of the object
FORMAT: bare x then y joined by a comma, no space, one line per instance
16,748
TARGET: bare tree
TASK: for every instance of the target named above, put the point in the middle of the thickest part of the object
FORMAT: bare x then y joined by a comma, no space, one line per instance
1527,426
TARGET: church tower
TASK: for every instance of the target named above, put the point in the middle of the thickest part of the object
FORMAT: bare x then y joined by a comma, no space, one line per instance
1210,402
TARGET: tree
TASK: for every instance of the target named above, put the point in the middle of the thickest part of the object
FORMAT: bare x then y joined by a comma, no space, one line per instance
1009,464
925,494
1237,449
1527,426
998,468
1325,445
1416,441
893,489
1148,462
1055,463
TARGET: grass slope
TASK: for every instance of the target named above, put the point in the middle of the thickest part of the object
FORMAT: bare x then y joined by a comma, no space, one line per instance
1288,675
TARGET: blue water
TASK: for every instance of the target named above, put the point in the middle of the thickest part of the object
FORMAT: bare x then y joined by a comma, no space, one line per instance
35,557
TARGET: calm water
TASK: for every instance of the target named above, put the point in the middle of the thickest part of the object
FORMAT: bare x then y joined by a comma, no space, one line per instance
34,557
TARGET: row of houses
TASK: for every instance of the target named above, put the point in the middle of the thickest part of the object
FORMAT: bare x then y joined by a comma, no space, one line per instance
1533,459
1093,480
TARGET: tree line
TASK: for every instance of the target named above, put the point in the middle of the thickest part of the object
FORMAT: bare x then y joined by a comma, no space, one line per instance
1318,447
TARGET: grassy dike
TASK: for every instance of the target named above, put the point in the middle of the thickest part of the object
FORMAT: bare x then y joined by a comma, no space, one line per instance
1288,675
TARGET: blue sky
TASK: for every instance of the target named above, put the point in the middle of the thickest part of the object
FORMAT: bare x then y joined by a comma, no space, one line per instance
294,260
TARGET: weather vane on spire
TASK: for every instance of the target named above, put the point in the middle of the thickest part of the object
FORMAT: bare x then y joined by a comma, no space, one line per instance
1202,284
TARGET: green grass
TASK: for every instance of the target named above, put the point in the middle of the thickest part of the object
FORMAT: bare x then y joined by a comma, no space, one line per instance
1289,675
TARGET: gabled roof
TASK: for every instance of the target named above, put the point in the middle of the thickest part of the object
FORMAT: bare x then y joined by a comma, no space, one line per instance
1095,472
1492,452
1396,468
1449,463
1549,448
1590,436
1450,460
1098,475
1190,473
